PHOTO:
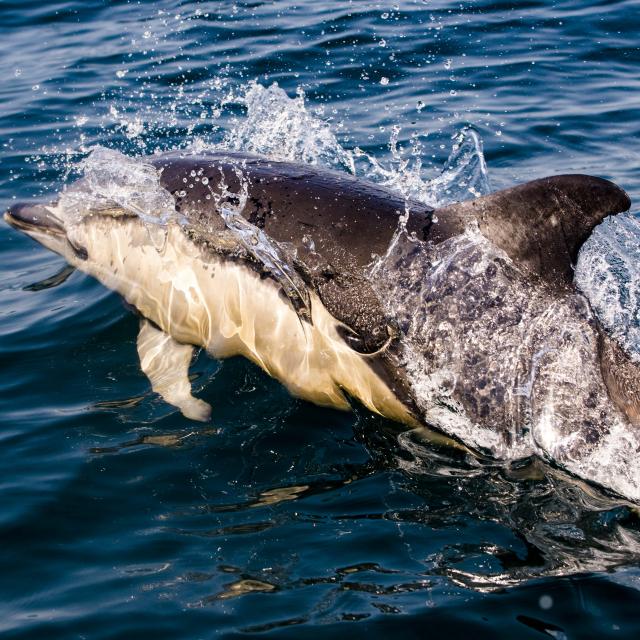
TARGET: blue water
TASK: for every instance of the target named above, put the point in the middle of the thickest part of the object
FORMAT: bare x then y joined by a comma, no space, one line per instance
119,518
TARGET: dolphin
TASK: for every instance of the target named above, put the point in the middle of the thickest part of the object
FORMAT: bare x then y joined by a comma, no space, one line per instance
484,338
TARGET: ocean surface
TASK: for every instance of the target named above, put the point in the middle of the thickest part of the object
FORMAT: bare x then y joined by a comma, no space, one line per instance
119,518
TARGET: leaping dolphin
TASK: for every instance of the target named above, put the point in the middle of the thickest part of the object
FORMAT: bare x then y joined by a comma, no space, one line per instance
491,345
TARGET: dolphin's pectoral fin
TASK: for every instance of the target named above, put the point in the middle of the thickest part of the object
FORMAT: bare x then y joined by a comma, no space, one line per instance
166,364
55,280
541,225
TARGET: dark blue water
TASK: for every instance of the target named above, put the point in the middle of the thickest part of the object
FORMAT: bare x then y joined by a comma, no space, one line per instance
119,518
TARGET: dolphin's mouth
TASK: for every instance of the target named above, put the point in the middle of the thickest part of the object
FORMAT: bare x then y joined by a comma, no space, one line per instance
34,217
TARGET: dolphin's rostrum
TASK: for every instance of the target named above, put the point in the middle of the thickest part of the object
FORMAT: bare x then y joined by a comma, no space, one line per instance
482,338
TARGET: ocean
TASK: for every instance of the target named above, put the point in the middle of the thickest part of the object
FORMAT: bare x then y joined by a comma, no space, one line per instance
120,518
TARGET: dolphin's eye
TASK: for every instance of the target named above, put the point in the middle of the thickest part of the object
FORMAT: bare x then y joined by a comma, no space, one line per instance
79,250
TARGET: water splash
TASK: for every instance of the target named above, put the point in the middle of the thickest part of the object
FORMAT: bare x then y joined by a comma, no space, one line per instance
285,128
112,180
608,273
273,257
282,128
449,348
463,176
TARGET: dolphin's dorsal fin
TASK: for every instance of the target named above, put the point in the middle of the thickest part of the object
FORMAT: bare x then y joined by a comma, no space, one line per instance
542,224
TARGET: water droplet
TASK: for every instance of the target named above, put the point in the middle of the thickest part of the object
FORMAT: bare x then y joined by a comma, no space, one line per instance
384,80
447,63
382,42
35,87
17,73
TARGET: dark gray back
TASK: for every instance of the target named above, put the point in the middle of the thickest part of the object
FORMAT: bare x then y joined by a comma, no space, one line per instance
344,218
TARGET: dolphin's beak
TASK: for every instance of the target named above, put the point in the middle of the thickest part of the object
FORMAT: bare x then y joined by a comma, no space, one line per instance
34,217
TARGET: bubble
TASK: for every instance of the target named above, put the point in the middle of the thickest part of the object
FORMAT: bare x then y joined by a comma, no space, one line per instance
384,81
35,87
205,180
382,42
17,73
545,602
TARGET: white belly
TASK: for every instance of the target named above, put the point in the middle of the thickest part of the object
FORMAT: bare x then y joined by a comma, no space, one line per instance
227,308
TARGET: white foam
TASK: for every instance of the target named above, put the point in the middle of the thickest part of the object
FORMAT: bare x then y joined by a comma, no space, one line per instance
608,272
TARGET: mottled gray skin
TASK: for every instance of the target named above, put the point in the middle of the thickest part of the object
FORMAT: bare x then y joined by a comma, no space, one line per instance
509,366
541,226
503,353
